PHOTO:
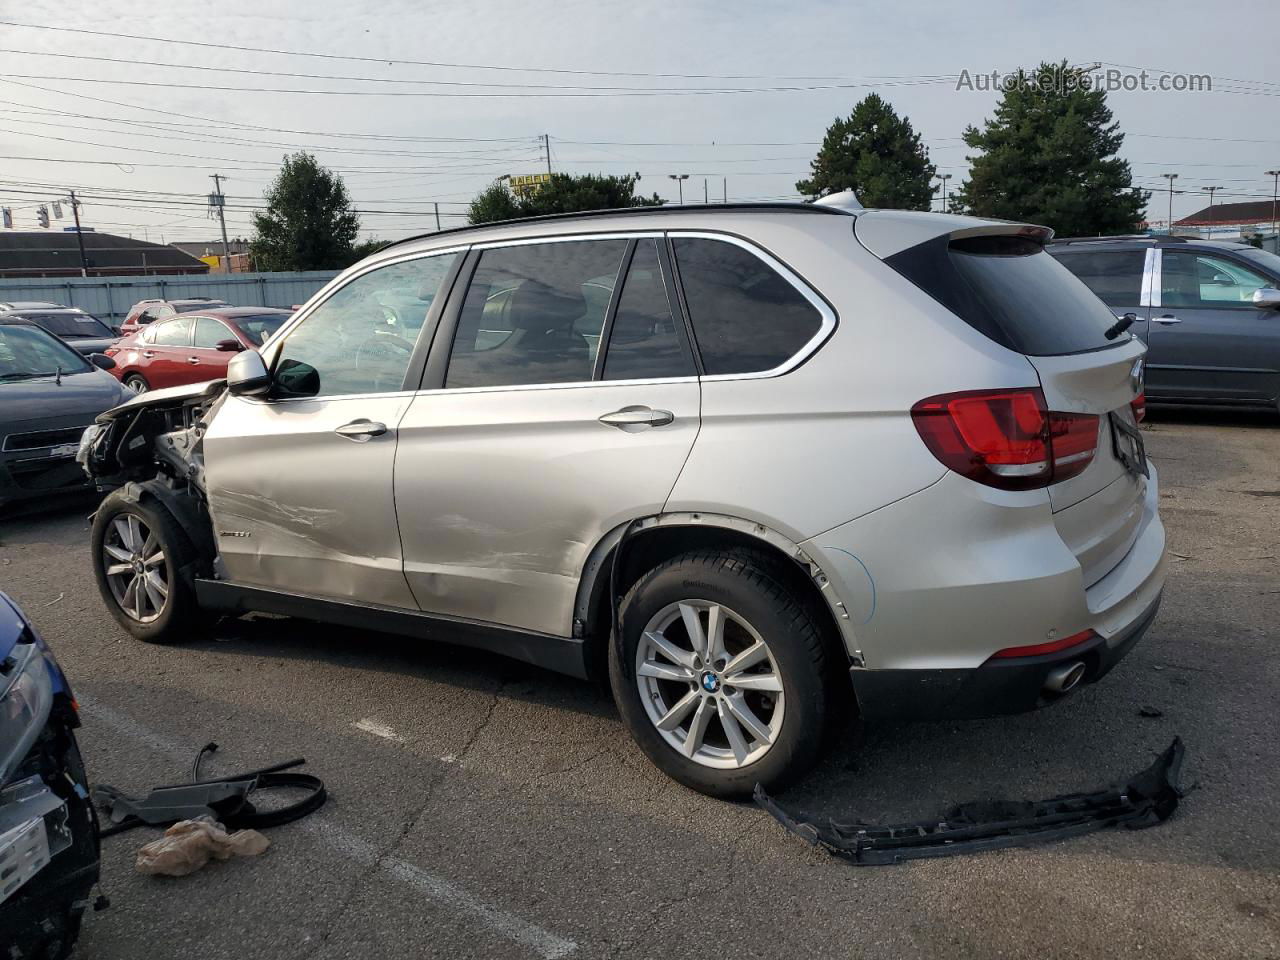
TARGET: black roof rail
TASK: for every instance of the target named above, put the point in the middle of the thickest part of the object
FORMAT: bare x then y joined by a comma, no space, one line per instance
1131,237
789,207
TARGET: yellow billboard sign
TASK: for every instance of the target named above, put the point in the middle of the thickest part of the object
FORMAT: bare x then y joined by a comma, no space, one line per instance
528,183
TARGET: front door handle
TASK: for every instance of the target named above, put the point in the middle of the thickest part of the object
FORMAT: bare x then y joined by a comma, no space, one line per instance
193,359
638,417
361,430
148,354
1167,318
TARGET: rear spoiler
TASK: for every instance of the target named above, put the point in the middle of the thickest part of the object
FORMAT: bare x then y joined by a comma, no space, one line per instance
885,232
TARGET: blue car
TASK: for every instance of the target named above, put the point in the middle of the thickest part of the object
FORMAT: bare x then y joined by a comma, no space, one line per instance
49,854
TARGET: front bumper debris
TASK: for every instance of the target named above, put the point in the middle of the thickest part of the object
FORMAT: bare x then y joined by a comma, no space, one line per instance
1146,799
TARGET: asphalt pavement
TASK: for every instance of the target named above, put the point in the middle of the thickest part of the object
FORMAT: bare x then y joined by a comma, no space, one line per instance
483,808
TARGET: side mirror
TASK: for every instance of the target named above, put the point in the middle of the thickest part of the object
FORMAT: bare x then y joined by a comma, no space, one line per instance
229,345
1266,298
102,361
247,375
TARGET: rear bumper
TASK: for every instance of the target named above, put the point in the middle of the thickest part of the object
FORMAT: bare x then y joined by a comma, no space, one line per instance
995,688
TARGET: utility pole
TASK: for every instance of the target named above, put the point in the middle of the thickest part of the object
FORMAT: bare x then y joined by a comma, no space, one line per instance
724,185
1210,191
546,142
1275,188
944,177
679,178
220,203
1170,177
75,212
437,216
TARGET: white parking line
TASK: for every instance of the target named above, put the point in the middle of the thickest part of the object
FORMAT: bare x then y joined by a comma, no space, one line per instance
543,942
370,725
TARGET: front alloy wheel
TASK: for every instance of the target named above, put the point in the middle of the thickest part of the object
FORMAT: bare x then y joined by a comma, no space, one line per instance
136,569
709,684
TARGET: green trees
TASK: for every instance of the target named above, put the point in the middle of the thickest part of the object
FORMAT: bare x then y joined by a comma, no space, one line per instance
876,154
1049,156
565,193
308,224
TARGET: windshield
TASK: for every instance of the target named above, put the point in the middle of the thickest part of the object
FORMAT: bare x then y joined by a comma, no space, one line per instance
72,325
1265,259
27,352
257,329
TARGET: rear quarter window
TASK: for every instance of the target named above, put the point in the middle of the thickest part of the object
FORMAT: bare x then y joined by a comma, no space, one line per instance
1115,276
1010,290
746,317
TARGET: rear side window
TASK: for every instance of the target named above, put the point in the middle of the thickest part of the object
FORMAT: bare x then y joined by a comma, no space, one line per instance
1011,291
534,314
172,333
1115,276
645,340
746,317
209,332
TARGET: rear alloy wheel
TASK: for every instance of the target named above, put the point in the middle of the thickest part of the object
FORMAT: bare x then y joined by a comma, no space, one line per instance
142,561
721,672
135,383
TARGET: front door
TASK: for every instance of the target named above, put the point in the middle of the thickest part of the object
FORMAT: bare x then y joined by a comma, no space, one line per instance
300,482
1208,342
564,405
165,353
206,361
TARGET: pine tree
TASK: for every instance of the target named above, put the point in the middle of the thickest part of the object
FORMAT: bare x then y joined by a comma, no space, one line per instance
876,154
1049,156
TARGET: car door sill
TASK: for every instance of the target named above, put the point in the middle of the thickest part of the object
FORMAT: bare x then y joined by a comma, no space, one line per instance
560,654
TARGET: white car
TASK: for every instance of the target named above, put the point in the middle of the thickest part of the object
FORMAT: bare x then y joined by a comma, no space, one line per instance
759,463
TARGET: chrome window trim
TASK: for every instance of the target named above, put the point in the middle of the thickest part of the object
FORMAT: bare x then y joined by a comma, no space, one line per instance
829,319
557,386
1150,295
566,237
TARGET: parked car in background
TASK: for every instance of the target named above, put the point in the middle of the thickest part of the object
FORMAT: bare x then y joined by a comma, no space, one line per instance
812,456
48,394
49,851
82,331
1209,312
147,311
192,347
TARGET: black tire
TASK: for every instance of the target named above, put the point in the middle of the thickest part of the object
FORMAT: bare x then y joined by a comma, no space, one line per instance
137,382
180,613
749,584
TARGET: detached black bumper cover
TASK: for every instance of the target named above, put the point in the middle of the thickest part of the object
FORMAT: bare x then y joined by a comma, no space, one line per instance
1146,799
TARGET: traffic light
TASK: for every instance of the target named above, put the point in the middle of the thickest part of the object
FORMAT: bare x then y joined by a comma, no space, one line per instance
42,215
8,217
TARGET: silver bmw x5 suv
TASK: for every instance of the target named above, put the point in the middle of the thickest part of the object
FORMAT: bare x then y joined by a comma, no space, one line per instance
755,464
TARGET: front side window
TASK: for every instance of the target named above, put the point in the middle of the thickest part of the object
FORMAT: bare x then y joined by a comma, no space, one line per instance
1198,280
361,338
533,314
645,341
746,317
171,333
1115,277
209,332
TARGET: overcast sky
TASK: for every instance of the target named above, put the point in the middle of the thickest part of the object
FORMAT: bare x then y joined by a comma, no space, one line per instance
447,139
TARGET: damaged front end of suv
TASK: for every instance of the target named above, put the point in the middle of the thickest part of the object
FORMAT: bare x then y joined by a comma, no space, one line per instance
148,454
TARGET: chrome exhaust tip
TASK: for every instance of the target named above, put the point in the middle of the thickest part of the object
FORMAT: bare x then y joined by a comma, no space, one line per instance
1064,679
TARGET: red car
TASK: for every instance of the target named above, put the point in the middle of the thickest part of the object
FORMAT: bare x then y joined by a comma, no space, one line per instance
148,311
192,347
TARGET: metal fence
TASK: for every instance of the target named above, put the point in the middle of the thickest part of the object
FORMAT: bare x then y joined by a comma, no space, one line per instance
109,298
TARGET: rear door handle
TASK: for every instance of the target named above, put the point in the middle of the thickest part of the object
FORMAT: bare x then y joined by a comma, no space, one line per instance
148,354
638,417
361,430
1167,318
193,359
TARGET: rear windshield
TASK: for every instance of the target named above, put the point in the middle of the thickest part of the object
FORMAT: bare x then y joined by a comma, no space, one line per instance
1011,291
72,326
258,329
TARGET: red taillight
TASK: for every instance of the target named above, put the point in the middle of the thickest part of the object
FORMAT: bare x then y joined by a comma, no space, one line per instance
1139,405
1039,649
1006,438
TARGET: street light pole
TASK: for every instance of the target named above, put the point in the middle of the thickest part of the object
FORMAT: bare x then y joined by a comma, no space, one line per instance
1170,177
1275,187
944,177
1210,191
679,178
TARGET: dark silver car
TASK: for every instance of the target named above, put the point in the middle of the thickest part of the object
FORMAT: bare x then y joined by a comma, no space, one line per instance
1209,312
84,332
48,394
